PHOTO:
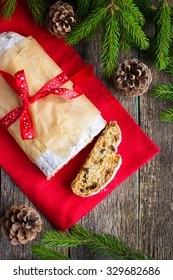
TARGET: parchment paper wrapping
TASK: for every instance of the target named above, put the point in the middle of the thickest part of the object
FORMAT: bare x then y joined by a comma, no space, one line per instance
62,127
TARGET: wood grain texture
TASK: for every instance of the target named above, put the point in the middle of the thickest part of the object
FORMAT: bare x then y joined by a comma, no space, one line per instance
156,177
10,195
156,200
118,213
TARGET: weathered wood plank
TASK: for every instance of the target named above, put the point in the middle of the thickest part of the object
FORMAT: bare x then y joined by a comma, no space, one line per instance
156,201
117,214
11,194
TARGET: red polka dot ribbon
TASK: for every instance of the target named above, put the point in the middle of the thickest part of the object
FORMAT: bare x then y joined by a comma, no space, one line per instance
19,84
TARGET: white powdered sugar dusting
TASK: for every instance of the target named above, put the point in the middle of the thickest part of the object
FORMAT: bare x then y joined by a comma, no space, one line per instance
9,40
50,162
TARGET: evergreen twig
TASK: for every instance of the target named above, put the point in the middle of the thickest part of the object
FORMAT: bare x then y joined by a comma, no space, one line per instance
99,3
59,238
130,17
47,254
83,8
125,43
163,34
110,44
132,9
167,115
88,25
165,92
8,8
38,9
120,19
133,29
169,69
106,244
145,6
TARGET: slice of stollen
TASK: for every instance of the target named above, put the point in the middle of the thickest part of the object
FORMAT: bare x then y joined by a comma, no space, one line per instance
102,163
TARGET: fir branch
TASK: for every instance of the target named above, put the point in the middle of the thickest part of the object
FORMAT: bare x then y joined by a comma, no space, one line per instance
145,6
163,34
107,244
124,42
88,25
110,44
164,92
169,69
8,8
102,243
132,9
167,115
133,29
38,9
142,3
58,238
99,3
45,253
83,8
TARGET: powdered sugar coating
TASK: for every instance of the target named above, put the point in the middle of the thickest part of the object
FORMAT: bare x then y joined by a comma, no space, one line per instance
50,162
9,40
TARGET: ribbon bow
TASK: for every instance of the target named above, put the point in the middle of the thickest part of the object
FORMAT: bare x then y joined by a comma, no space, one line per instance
19,84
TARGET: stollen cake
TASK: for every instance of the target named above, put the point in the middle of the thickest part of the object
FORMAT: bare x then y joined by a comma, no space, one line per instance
62,127
102,163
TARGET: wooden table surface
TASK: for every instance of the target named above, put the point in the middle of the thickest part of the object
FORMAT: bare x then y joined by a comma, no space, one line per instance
140,210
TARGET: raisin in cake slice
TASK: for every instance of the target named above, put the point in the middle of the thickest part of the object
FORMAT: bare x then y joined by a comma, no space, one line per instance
102,163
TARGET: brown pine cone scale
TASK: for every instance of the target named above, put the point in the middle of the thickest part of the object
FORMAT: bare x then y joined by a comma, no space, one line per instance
61,18
21,224
132,77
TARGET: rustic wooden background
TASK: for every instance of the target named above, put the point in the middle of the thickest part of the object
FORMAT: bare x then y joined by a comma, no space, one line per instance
140,210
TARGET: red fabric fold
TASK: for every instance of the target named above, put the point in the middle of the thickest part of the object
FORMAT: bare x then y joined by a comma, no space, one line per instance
54,198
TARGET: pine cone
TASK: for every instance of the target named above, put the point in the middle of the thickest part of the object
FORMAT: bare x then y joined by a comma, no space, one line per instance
20,224
132,77
60,19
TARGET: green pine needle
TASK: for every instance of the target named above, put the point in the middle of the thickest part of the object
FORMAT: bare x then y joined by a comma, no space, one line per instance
167,115
106,244
169,68
8,8
88,25
163,34
38,9
133,29
132,9
110,44
58,238
121,25
124,42
45,253
164,92
145,6
99,3
83,8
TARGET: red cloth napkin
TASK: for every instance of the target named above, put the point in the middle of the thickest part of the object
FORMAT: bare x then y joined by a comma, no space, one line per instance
54,198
